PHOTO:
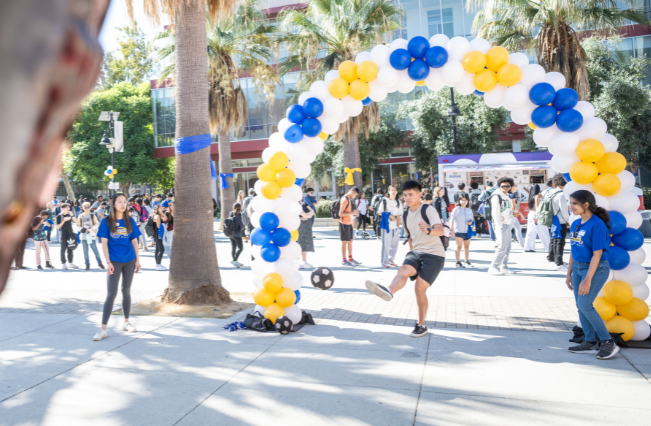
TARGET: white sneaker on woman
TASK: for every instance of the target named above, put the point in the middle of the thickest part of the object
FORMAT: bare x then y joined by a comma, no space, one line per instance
161,268
101,334
306,265
128,327
72,266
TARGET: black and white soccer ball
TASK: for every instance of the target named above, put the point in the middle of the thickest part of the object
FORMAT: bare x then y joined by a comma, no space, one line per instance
323,278
284,325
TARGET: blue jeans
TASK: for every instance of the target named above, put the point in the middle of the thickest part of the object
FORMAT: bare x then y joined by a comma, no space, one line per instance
94,247
590,320
490,230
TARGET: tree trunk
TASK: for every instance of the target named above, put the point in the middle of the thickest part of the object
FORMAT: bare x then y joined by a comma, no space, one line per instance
227,195
352,160
66,183
194,273
126,186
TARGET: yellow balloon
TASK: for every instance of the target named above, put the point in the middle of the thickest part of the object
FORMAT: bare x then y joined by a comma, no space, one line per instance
271,190
590,150
496,57
607,185
266,173
611,162
485,80
323,136
367,71
115,171
273,311
619,324
273,283
635,310
583,173
532,126
605,309
338,88
618,292
285,178
509,75
348,71
359,90
279,161
420,83
294,235
474,61
263,297
286,298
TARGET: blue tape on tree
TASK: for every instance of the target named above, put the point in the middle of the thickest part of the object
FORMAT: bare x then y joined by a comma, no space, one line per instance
224,181
192,144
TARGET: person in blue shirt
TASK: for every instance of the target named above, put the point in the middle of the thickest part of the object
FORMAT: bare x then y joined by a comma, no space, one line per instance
157,200
588,272
167,202
310,200
119,233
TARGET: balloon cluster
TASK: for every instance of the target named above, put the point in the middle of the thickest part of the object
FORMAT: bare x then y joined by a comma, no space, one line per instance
110,172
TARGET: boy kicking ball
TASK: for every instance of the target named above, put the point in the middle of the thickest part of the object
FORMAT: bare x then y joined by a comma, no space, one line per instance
427,256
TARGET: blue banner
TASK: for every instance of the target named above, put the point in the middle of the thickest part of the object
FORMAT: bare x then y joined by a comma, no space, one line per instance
193,144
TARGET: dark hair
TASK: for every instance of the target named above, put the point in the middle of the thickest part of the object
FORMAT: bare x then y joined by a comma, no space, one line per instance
428,197
502,180
64,205
412,184
465,197
549,182
474,185
445,196
170,195
535,190
583,196
237,208
103,203
489,183
139,201
380,191
461,186
355,189
112,220
559,180
146,201
309,189
44,213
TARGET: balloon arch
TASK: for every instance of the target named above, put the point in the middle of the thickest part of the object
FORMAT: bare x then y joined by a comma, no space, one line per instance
581,148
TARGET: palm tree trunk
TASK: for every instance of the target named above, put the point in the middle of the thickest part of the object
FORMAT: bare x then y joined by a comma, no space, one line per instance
227,195
351,158
66,183
194,273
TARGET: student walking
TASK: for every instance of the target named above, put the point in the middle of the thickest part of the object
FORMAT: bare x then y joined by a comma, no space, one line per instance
305,238
159,233
40,227
346,214
169,230
425,260
588,272
119,234
379,195
460,220
67,235
517,214
143,215
236,240
440,204
88,225
502,218
488,191
533,227
50,219
461,192
390,211
362,207
558,230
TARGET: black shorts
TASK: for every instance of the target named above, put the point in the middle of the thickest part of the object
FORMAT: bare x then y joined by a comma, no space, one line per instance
462,235
345,232
427,266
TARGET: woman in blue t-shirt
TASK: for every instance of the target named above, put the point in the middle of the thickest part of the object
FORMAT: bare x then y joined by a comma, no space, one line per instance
119,233
588,271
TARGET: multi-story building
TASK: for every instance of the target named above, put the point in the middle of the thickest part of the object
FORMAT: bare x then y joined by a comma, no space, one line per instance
422,17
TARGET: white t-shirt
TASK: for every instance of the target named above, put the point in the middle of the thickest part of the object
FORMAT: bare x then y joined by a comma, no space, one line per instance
394,207
362,205
423,243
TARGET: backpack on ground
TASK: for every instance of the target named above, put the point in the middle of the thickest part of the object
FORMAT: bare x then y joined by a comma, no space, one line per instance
230,227
423,212
150,227
545,211
336,206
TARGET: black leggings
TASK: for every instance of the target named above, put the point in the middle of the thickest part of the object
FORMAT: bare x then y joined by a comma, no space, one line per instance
361,221
126,271
236,247
160,249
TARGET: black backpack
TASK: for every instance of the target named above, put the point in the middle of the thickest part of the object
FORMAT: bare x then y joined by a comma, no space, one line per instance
150,227
423,212
475,203
488,205
336,206
230,227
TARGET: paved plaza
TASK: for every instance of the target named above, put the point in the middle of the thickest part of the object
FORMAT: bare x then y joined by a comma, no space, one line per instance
496,355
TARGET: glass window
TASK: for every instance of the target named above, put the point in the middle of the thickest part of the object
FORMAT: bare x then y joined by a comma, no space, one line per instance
412,25
401,152
381,177
238,163
623,51
643,49
400,173
440,23
325,184
252,179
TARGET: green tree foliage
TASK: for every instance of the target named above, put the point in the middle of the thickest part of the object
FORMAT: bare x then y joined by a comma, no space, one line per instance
132,63
432,135
88,160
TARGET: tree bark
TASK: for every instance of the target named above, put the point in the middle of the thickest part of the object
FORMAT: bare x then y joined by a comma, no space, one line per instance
194,272
227,195
127,187
352,159
66,183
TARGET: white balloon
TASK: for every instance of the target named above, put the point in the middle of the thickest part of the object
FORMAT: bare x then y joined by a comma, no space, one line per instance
452,71
633,220
258,187
627,179
457,49
465,86
495,98
255,252
516,96
592,128
259,309
329,125
642,330
551,149
291,250
301,168
519,59
556,79
261,204
332,108
439,40
571,187
280,207
638,256
377,93
290,221
563,163
343,118
634,274
277,141
611,276
294,313
283,266
641,291
399,43
261,268
586,109
293,194
532,74
352,108
255,219
566,143
331,75
267,153
602,201
296,152
434,81
294,281
296,208
283,125
303,97
624,202
313,146
544,137
480,45
380,55
521,116
362,56
405,83
610,142
319,90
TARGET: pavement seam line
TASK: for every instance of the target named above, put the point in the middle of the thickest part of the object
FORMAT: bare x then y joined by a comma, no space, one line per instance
87,361
422,377
636,369
41,328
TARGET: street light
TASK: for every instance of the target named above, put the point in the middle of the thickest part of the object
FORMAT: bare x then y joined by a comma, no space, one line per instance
454,113
106,141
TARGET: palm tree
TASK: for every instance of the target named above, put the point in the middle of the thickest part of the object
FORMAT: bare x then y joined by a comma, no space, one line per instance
239,42
194,273
549,27
328,33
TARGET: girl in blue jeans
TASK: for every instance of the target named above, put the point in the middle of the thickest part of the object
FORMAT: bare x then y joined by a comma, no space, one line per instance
588,271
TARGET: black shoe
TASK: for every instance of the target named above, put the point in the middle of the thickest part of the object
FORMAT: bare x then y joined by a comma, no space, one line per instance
419,331
88,267
585,348
530,251
468,264
49,265
459,265
101,266
607,350
379,290
39,267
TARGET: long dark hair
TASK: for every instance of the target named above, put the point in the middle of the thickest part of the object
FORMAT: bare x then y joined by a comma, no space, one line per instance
583,196
465,197
112,220
535,190
237,208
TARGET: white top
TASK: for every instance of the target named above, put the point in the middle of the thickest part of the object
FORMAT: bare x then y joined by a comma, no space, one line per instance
394,207
362,205
501,209
460,218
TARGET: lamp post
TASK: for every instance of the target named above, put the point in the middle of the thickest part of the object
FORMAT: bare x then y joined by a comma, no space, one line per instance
109,142
454,113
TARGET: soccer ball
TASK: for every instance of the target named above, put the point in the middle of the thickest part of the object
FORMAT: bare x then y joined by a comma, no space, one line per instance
284,325
322,278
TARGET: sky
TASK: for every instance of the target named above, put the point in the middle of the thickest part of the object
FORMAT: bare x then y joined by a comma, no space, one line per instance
117,17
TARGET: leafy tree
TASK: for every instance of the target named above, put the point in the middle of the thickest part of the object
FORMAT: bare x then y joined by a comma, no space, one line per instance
88,160
132,63
432,135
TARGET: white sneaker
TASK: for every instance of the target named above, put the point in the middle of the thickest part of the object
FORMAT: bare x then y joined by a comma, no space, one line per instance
306,265
561,267
239,265
128,327
161,268
495,271
72,266
234,263
507,271
64,266
101,334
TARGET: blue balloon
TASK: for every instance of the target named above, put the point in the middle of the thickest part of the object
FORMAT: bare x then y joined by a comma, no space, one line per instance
478,93
295,114
617,222
299,182
295,133
270,252
367,101
629,239
569,120
281,237
418,47
436,56
400,59
311,127
544,116
567,177
298,296
542,93
260,237
418,70
269,221
313,107
565,99
618,258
